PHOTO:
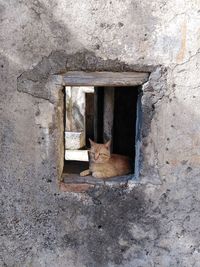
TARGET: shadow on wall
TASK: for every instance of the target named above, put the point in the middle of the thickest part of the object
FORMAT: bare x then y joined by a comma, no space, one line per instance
43,27
37,24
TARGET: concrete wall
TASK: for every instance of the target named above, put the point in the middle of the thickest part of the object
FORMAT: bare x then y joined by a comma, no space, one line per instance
155,222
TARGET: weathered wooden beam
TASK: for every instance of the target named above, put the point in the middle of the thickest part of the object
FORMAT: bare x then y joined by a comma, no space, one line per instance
81,78
70,178
108,113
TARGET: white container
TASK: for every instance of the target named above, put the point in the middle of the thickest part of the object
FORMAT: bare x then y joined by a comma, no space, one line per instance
74,140
77,155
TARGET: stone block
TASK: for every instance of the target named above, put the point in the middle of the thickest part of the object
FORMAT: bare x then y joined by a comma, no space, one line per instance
79,155
74,140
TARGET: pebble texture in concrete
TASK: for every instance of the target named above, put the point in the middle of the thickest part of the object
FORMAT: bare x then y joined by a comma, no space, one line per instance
154,223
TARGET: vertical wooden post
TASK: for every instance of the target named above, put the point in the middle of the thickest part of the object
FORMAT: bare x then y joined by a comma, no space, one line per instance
108,114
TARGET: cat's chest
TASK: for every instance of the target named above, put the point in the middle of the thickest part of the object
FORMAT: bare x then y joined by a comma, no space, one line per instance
98,166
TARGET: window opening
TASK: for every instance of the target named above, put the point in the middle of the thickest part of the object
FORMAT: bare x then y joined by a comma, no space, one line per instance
100,113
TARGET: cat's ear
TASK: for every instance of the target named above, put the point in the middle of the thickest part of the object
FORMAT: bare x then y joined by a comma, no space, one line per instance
91,142
107,145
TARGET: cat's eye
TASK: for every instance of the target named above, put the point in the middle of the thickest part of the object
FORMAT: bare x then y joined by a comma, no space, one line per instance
103,154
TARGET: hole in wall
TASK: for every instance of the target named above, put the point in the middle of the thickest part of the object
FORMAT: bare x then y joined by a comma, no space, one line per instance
100,113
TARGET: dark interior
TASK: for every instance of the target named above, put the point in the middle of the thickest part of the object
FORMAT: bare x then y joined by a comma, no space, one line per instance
124,121
98,111
89,117
75,167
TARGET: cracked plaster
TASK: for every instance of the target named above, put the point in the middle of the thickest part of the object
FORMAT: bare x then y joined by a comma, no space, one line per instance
150,224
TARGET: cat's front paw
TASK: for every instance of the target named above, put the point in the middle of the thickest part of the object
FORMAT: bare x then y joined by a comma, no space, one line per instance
85,173
97,175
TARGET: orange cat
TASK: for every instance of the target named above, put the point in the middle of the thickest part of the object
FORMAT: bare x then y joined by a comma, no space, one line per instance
103,164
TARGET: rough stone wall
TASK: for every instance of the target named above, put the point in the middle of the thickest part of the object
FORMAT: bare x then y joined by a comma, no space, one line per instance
154,223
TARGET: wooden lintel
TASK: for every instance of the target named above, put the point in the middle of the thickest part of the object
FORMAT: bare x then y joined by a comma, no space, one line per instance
81,78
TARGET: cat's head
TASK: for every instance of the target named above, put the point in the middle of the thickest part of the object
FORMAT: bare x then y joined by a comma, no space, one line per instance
99,153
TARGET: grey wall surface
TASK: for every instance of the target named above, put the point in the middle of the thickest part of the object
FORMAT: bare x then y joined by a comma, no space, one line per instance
153,223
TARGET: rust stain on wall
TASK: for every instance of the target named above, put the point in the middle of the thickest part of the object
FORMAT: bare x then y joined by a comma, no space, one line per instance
181,53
